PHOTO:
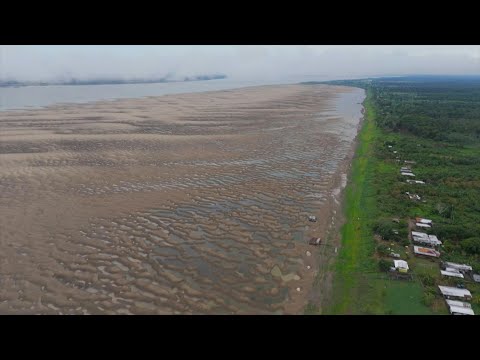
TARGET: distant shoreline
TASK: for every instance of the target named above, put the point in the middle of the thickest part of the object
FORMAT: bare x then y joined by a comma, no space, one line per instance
13,83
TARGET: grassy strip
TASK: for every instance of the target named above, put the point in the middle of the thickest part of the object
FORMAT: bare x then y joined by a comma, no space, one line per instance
357,242
359,287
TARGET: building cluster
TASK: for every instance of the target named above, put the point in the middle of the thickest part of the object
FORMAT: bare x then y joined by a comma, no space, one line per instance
428,245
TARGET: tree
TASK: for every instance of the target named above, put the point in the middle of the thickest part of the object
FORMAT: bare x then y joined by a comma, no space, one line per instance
386,229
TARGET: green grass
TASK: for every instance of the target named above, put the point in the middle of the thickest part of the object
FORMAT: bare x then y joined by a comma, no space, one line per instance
357,243
359,288
404,298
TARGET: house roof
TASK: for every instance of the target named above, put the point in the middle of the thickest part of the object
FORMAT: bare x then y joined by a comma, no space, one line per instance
415,182
464,267
452,291
433,237
419,234
425,238
428,241
458,303
451,273
422,225
426,251
402,264
461,310
423,221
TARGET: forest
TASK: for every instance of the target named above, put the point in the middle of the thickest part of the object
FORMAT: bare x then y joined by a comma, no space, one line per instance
432,125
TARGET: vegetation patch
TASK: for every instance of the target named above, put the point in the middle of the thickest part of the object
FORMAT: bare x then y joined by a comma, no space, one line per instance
431,125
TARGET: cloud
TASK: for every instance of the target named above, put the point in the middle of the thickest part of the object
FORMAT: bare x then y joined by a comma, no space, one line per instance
242,62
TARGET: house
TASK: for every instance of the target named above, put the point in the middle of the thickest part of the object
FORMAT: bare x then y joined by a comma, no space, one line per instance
409,162
407,174
421,225
424,238
461,267
401,265
476,278
406,169
415,182
434,240
452,292
426,251
452,273
413,196
424,221
459,307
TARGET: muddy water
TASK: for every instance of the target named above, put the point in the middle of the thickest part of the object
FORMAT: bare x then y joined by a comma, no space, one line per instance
184,204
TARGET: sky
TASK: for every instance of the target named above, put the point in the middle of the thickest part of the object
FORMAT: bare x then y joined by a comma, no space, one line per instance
245,62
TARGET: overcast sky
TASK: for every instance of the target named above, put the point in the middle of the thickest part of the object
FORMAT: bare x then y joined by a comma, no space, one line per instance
238,62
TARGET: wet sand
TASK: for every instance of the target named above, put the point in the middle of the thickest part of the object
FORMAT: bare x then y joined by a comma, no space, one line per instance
180,204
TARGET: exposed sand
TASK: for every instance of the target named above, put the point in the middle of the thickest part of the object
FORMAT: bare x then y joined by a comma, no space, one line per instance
180,204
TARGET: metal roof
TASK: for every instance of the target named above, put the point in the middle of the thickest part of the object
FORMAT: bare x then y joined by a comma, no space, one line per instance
458,303
401,264
461,310
464,267
419,234
426,251
451,273
424,221
423,225
452,291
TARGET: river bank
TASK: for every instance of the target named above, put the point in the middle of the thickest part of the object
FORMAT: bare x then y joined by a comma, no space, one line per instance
181,204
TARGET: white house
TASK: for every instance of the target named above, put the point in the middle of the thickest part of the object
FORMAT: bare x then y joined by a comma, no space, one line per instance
415,182
459,307
452,273
401,265
424,221
425,238
450,292
422,225
459,267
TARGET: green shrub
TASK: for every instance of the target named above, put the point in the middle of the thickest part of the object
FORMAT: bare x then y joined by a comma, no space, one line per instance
382,249
384,265
427,279
471,245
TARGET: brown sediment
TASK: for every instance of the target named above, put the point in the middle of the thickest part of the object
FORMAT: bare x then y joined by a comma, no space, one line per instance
192,203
